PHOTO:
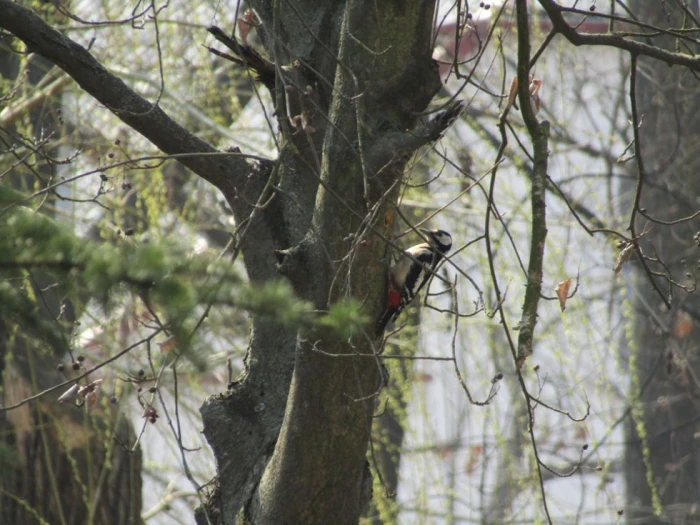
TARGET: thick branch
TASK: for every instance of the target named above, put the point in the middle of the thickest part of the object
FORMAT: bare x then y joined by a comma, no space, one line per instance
554,11
241,181
246,56
148,119
394,145
539,132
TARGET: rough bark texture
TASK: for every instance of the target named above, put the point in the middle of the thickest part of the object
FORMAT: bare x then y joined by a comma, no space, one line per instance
662,459
315,472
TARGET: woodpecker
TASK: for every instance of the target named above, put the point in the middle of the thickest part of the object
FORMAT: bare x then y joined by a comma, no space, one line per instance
411,272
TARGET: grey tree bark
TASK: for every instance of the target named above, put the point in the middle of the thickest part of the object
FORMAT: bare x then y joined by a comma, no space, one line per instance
308,462
662,457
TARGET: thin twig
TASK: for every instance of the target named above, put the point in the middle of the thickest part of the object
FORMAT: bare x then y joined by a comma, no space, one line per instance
81,376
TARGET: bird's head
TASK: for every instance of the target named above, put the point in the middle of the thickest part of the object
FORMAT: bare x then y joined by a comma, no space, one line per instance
440,239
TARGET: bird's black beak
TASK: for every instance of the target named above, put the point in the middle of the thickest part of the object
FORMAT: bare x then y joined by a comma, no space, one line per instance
425,232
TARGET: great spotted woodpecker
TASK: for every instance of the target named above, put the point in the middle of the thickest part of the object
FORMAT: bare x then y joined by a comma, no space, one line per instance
411,272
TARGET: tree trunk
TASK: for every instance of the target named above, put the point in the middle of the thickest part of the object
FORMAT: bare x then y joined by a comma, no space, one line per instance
291,437
662,457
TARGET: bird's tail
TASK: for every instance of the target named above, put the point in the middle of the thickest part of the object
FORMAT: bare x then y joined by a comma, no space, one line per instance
384,320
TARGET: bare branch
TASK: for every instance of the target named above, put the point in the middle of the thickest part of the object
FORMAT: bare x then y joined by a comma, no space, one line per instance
560,25
75,380
539,133
143,116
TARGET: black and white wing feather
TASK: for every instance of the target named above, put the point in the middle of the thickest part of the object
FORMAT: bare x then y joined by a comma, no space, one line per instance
423,261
